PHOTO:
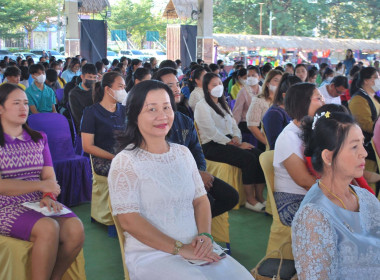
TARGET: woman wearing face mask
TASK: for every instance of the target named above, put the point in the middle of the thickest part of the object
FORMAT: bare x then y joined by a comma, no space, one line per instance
221,140
261,104
327,76
57,68
102,119
244,98
241,81
364,104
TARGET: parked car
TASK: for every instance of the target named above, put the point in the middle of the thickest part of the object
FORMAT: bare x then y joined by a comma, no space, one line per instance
158,54
23,55
56,54
111,55
7,53
132,54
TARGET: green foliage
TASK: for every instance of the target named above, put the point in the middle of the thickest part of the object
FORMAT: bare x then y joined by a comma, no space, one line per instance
27,14
328,18
136,19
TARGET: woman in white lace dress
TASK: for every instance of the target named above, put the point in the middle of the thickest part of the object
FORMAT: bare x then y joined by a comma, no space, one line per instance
159,199
336,231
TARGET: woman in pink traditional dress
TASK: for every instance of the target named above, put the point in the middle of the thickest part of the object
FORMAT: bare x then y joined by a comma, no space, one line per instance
27,175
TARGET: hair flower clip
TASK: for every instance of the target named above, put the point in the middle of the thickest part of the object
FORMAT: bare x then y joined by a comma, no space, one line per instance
317,117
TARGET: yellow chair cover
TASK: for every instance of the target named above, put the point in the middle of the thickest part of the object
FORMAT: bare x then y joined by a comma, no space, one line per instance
15,261
121,237
229,174
99,202
220,228
279,233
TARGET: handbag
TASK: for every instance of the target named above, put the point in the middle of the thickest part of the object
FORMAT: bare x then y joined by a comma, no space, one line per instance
101,165
275,268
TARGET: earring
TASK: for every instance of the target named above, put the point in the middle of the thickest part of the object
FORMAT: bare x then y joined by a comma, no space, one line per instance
329,163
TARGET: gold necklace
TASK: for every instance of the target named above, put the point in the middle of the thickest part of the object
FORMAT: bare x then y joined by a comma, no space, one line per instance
334,195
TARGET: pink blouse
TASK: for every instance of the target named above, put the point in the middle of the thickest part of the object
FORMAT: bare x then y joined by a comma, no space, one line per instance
243,100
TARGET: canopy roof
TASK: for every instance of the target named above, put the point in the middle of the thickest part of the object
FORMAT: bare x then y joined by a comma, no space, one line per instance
93,6
180,9
287,42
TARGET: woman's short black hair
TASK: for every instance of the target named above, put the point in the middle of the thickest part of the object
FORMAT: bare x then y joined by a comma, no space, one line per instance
329,132
286,81
254,68
297,100
135,103
214,67
241,73
5,90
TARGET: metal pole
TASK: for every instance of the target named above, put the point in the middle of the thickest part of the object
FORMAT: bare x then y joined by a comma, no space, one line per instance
270,23
261,17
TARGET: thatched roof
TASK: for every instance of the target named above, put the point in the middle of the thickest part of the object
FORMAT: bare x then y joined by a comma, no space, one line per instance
93,6
287,42
180,9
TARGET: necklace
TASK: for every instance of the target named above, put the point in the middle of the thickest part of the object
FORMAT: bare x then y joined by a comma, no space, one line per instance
334,195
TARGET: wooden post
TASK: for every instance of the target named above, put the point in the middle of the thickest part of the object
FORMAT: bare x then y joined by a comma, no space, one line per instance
205,41
72,41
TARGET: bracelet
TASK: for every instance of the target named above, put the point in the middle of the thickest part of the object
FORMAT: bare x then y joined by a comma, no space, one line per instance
208,235
51,195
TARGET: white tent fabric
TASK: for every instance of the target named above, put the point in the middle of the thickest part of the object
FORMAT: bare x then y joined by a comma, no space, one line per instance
180,9
287,42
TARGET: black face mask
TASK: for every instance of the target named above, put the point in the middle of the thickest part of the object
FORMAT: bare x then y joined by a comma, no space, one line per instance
221,66
89,83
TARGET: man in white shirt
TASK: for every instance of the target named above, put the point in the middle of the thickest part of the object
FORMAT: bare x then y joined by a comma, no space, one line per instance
332,92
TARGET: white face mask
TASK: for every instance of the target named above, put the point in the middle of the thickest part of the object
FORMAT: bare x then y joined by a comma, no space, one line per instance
272,88
252,81
340,72
217,91
41,79
376,86
329,79
58,72
120,95
243,81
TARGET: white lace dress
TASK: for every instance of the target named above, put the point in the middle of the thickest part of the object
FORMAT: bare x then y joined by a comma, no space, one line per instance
161,188
330,242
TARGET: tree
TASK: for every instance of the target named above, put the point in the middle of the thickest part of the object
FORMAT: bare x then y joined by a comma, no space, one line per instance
330,18
136,19
12,14
38,11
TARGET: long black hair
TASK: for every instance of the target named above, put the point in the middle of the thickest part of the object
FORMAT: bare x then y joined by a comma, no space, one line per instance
329,132
135,103
107,80
222,100
287,80
195,75
5,90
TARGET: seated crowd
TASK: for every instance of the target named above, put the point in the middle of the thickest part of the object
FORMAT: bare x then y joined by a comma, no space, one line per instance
150,128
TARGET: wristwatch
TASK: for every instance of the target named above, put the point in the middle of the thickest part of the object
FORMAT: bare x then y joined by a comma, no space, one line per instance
177,246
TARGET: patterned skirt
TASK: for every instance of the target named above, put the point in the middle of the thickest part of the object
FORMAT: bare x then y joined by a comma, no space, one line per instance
287,205
16,220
